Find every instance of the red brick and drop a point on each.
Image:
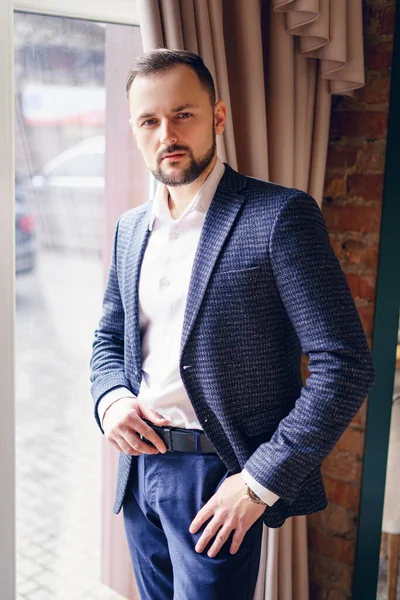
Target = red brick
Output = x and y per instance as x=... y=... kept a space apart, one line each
x=342 y=466
x=352 y=440
x=336 y=244
x=341 y=157
x=335 y=520
x=376 y=89
x=378 y=55
x=352 y=218
x=372 y=257
x=328 y=573
x=366 y=124
x=356 y=421
x=367 y=318
x=305 y=373
x=379 y=20
x=362 y=286
x=335 y=187
x=357 y=252
x=371 y=157
x=331 y=546
x=365 y=186
x=342 y=493
x=360 y=417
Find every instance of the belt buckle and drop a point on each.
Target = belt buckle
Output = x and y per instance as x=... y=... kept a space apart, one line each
x=168 y=440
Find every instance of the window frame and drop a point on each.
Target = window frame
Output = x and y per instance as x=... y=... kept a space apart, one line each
x=386 y=320
x=123 y=12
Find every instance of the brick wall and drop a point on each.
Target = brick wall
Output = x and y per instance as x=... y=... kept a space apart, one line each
x=352 y=209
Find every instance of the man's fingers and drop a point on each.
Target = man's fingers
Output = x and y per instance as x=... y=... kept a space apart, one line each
x=209 y=532
x=114 y=443
x=151 y=415
x=129 y=440
x=220 y=540
x=237 y=540
x=122 y=444
x=123 y=424
x=136 y=444
x=143 y=428
x=202 y=516
x=130 y=444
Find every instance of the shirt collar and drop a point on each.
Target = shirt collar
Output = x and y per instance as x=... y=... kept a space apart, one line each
x=200 y=202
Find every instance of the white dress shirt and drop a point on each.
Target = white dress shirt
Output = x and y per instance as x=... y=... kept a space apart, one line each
x=163 y=287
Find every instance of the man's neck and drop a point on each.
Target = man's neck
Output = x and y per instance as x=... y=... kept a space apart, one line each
x=180 y=196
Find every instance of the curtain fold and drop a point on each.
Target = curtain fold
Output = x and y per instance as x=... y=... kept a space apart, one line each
x=275 y=63
x=331 y=32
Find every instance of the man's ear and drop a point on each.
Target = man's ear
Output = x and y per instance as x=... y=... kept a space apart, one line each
x=219 y=116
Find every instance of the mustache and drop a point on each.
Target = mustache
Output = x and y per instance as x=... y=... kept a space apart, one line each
x=172 y=150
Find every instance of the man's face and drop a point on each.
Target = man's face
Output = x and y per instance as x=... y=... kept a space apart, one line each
x=174 y=124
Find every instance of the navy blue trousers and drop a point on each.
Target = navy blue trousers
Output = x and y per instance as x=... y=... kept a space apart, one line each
x=165 y=492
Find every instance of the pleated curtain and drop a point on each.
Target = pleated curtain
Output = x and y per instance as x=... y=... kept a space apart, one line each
x=276 y=64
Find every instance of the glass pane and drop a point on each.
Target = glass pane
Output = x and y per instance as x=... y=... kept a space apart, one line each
x=81 y=165
x=389 y=581
x=76 y=171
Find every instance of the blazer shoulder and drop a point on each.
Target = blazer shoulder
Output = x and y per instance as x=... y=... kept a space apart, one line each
x=265 y=188
x=273 y=197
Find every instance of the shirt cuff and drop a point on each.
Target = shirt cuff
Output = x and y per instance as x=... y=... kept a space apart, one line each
x=116 y=394
x=269 y=497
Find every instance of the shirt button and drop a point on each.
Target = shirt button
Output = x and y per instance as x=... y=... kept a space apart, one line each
x=175 y=235
x=164 y=282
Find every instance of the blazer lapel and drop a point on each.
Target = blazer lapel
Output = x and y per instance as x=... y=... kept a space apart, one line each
x=136 y=248
x=219 y=219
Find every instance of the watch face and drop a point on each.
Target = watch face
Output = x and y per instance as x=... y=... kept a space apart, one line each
x=254 y=497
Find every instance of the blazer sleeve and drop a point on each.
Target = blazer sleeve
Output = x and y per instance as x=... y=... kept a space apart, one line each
x=318 y=302
x=107 y=361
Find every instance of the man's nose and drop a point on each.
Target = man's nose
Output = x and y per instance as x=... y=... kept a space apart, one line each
x=168 y=134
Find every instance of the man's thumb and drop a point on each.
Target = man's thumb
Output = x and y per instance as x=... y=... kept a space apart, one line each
x=153 y=416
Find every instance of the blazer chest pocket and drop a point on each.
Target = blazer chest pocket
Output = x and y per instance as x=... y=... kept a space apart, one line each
x=238 y=273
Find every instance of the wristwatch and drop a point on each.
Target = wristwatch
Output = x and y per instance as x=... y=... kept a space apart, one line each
x=253 y=496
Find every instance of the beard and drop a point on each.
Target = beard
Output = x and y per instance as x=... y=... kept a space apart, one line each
x=195 y=168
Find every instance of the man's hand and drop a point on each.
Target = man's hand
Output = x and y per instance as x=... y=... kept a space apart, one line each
x=123 y=421
x=231 y=509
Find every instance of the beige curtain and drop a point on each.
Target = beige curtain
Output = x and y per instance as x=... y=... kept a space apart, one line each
x=313 y=48
x=275 y=64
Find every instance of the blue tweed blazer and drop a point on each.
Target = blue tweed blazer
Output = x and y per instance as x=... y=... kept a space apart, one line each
x=265 y=286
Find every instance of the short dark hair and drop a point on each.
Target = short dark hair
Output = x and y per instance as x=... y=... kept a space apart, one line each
x=162 y=59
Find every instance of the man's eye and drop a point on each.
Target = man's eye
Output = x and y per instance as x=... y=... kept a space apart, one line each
x=184 y=115
x=149 y=122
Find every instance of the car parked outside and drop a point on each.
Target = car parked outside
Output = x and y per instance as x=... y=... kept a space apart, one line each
x=25 y=246
x=67 y=197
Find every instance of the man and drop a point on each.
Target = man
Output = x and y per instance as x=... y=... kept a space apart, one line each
x=215 y=288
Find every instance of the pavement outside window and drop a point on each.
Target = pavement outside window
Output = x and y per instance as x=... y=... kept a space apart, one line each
x=58 y=442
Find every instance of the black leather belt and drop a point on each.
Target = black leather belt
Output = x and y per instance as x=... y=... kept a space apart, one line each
x=178 y=439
